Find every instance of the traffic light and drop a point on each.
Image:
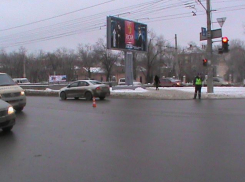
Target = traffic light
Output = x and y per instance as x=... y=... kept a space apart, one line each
x=225 y=45
x=205 y=62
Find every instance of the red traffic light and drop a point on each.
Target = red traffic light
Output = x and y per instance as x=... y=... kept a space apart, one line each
x=204 y=62
x=225 y=39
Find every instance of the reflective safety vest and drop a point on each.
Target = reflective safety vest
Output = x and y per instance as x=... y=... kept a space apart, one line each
x=198 y=81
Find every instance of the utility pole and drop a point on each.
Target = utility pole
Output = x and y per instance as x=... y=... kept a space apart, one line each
x=209 y=49
x=176 y=58
x=24 y=68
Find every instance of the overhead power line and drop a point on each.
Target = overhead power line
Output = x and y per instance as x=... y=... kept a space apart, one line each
x=97 y=21
x=57 y=16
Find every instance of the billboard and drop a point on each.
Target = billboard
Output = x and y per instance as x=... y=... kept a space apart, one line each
x=57 y=78
x=126 y=34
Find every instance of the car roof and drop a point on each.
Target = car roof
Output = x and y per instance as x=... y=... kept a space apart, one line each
x=88 y=80
x=20 y=79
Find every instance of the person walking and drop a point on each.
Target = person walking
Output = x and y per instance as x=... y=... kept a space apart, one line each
x=197 y=82
x=157 y=81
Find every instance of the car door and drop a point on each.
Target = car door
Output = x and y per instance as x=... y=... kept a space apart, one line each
x=82 y=88
x=71 y=90
x=216 y=82
x=168 y=83
x=162 y=82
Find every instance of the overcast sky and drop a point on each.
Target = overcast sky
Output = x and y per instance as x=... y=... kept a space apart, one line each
x=53 y=24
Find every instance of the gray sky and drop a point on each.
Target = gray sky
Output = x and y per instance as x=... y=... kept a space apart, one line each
x=32 y=23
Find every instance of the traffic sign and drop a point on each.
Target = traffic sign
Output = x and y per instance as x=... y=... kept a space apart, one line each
x=204 y=32
x=221 y=21
x=213 y=34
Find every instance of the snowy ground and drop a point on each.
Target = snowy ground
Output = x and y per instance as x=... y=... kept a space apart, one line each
x=232 y=91
x=219 y=92
x=170 y=93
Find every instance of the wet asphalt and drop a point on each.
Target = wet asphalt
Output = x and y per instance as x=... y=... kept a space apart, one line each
x=125 y=140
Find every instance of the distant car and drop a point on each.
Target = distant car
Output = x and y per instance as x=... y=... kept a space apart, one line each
x=7 y=116
x=170 y=82
x=85 y=89
x=218 y=81
x=21 y=80
x=121 y=81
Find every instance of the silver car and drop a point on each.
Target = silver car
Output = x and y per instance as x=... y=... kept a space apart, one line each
x=85 y=89
x=7 y=116
x=11 y=92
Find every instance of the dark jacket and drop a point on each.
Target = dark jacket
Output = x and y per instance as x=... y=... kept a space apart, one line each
x=156 y=79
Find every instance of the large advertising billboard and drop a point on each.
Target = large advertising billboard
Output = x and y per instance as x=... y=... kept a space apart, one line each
x=126 y=34
x=57 y=78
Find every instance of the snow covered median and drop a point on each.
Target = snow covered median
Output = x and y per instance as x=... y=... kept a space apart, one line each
x=182 y=93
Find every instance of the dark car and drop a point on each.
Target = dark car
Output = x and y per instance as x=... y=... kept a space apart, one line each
x=85 y=89
x=7 y=116
x=170 y=82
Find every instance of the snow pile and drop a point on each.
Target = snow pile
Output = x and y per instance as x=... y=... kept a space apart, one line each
x=137 y=90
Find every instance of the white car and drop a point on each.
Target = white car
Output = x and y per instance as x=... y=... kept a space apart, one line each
x=11 y=92
x=21 y=80
x=121 y=81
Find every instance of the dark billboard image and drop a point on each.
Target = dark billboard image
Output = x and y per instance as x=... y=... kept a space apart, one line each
x=126 y=34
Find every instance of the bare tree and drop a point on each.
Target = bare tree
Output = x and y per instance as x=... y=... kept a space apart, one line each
x=106 y=57
x=236 y=60
x=152 y=56
x=86 y=55
x=67 y=60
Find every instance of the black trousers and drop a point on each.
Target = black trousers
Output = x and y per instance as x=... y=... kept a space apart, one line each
x=198 y=88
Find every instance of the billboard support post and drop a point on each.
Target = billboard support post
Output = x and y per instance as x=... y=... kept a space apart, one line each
x=128 y=68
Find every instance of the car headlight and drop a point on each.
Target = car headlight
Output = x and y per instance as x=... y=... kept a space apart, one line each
x=10 y=110
x=22 y=93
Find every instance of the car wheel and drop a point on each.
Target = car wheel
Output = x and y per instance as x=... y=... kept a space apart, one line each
x=7 y=129
x=88 y=96
x=63 y=96
x=76 y=98
x=19 y=109
x=102 y=98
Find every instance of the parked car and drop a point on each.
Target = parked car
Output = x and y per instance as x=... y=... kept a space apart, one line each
x=121 y=81
x=11 y=92
x=85 y=89
x=218 y=81
x=21 y=80
x=7 y=116
x=170 y=82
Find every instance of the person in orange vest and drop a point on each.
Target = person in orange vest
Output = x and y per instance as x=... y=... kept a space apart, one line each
x=197 y=82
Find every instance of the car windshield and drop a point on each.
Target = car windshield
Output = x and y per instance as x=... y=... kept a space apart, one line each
x=6 y=80
x=221 y=79
x=24 y=81
x=95 y=82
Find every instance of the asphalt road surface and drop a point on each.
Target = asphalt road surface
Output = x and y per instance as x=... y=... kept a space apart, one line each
x=125 y=140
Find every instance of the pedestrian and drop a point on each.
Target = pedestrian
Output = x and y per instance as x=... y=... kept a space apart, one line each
x=157 y=81
x=197 y=82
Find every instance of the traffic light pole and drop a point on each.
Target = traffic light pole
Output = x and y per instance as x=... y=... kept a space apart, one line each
x=209 y=49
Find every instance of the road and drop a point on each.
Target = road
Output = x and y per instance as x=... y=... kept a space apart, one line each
x=125 y=140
